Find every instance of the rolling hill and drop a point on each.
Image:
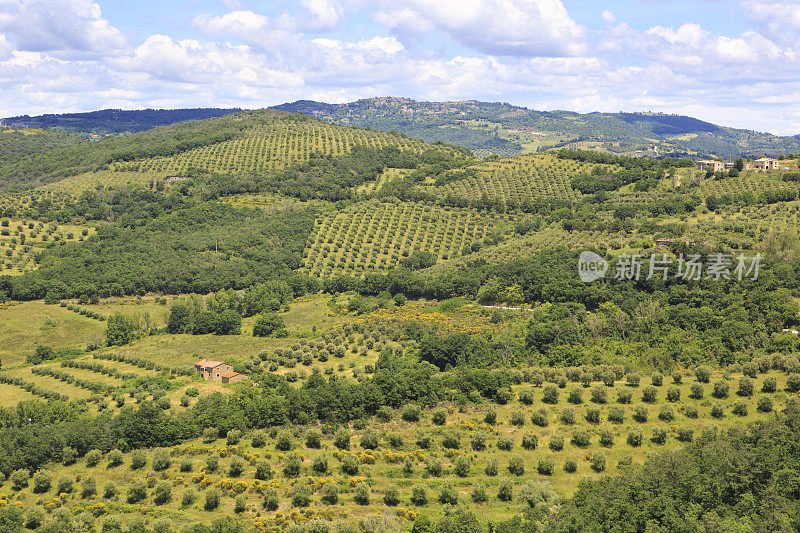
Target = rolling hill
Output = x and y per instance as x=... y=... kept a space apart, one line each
x=412 y=341
x=484 y=127
x=505 y=129
x=115 y=121
x=253 y=141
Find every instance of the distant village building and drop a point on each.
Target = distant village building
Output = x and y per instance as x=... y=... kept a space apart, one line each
x=217 y=371
x=714 y=166
x=766 y=163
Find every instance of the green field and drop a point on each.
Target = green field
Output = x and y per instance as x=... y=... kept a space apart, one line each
x=29 y=324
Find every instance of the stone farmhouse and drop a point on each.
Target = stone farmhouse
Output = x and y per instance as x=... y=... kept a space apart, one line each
x=714 y=166
x=766 y=163
x=217 y=371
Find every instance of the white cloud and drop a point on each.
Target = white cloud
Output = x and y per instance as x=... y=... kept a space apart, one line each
x=5 y=48
x=499 y=27
x=325 y=13
x=779 y=19
x=530 y=53
x=692 y=50
x=689 y=34
x=243 y=24
x=190 y=61
x=255 y=28
x=70 y=28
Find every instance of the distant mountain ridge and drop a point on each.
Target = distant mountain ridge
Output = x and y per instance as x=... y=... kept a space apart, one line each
x=484 y=127
x=506 y=129
x=116 y=121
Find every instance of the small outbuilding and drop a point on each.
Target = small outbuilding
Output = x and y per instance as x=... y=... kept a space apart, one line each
x=233 y=377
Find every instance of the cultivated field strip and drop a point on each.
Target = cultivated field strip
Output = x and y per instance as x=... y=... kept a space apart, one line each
x=22 y=239
x=755 y=182
x=272 y=147
x=518 y=179
x=529 y=245
x=375 y=236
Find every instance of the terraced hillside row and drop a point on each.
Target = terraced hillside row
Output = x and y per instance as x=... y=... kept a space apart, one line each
x=375 y=236
x=750 y=181
x=492 y=458
x=273 y=146
x=103 y=382
x=514 y=181
x=21 y=240
x=528 y=245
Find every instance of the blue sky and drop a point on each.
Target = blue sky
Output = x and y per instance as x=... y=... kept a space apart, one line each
x=733 y=62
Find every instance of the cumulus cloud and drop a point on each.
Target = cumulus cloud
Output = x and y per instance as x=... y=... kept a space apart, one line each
x=195 y=62
x=255 y=28
x=324 y=13
x=779 y=19
x=692 y=50
x=499 y=27
x=62 y=55
x=71 y=28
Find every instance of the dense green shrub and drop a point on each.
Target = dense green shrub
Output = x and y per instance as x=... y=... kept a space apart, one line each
x=746 y=387
x=138 y=460
x=721 y=389
x=703 y=374
x=212 y=499
x=673 y=394
x=461 y=466
x=361 y=494
x=624 y=396
x=649 y=394
x=162 y=493
x=137 y=491
x=530 y=441
x=505 y=491
x=539 y=417
x=516 y=465
x=764 y=404
x=550 y=394
x=581 y=438
x=606 y=437
x=793 y=382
